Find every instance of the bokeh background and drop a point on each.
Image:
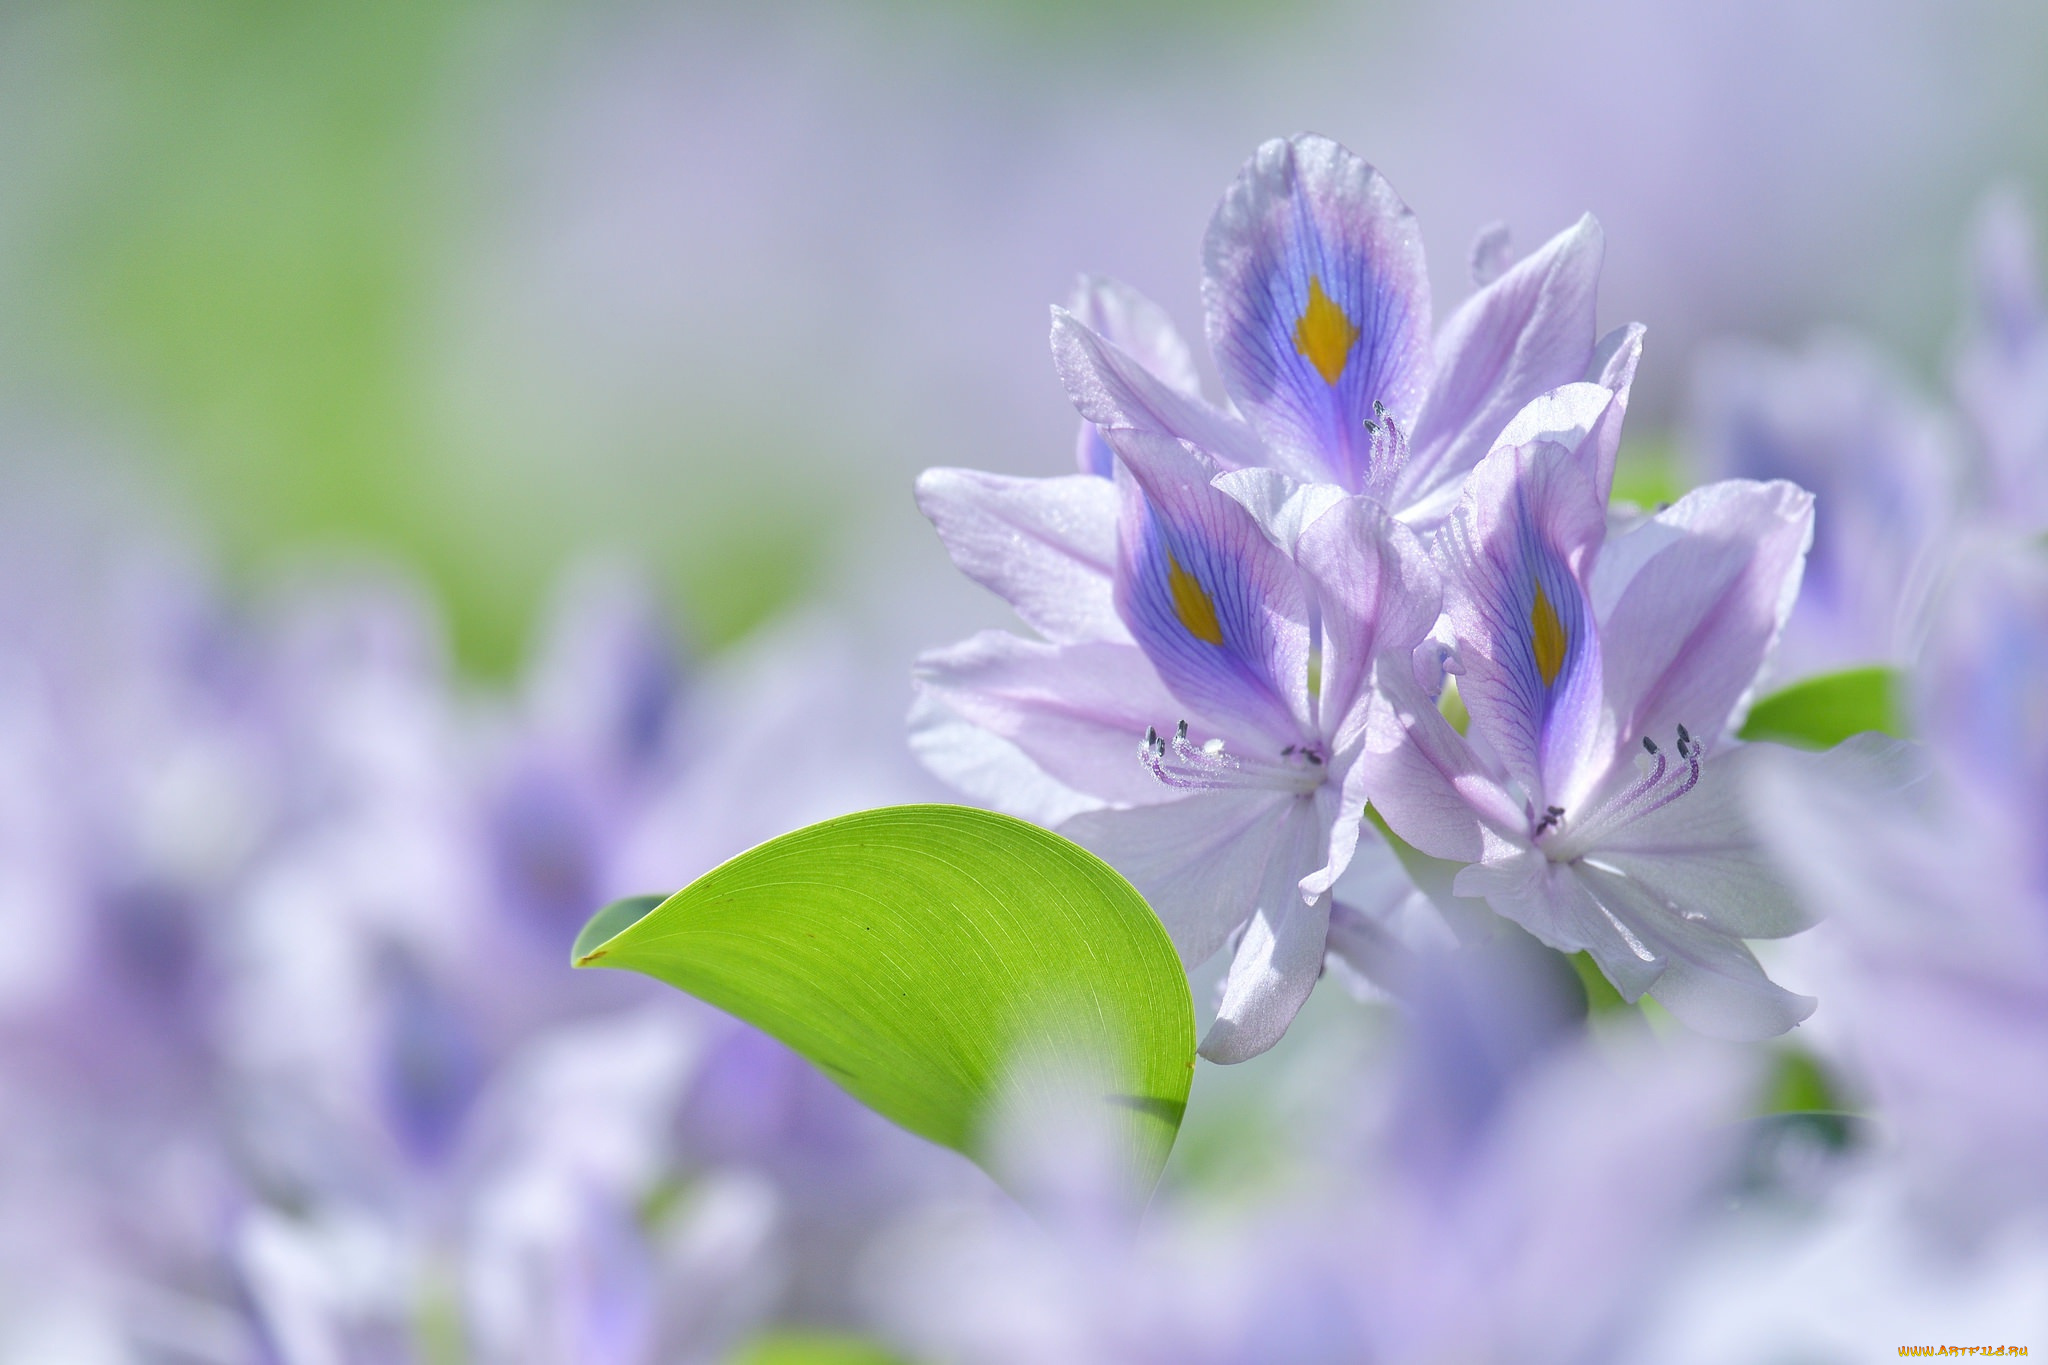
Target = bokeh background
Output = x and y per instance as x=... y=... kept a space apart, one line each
x=363 y=362
x=479 y=288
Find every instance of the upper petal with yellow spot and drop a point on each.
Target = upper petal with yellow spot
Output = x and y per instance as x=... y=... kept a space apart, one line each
x=1192 y=603
x=1323 y=334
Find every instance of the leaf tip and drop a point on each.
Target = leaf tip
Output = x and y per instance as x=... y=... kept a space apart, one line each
x=607 y=924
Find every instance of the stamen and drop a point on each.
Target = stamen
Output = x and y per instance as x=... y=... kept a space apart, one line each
x=1386 y=451
x=1649 y=793
x=1183 y=764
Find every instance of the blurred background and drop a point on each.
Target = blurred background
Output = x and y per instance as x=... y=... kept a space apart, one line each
x=455 y=467
x=478 y=288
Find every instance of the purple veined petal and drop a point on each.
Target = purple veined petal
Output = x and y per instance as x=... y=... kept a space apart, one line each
x=1702 y=855
x=1514 y=555
x=1281 y=956
x=1111 y=388
x=1422 y=776
x=1078 y=711
x=1122 y=315
x=1375 y=589
x=1693 y=619
x=1708 y=979
x=1317 y=298
x=1216 y=606
x=1045 y=546
x=1199 y=861
x=1527 y=332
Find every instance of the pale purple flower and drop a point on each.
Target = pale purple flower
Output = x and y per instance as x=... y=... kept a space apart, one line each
x=1176 y=688
x=1318 y=314
x=1220 y=604
x=1597 y=801
x=1937 y=883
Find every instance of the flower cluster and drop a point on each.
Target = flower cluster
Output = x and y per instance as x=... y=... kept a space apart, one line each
x=1251 y=615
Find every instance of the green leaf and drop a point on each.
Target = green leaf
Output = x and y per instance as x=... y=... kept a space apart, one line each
x=1821 y=712
x=941 y=964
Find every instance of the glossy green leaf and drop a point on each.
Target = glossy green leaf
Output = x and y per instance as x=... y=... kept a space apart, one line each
x=1819 y=713
x=941 y=964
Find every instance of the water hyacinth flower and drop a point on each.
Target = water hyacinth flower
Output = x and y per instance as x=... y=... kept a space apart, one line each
x=1936 y=885
x=1318 y=314
x=1598 y=801
x=1224 y=757
x=1228 y=633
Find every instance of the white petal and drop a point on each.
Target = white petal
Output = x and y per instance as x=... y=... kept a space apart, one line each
x=1282 y=506
x=1045 y=546
x=1709 y=980
x=1281 y=956
x=1202 y=861
x=1077 y=711
x=1701 y=856
x=987 y=768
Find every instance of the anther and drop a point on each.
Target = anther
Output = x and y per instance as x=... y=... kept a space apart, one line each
x=1181 y=731
x=1650 y=744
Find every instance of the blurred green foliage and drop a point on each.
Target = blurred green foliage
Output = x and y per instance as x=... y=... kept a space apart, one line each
x=1821 y=712
x=1648 y=472
x=232 y=219
x=797 y=1346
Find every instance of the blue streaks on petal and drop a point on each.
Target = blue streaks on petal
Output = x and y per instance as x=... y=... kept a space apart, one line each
x=1318 y=302
x=1196 y=605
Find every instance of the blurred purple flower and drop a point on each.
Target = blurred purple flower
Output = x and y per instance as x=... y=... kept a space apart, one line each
x=2001 y=374
x=1838 y=419
x=1476 y=1217
x=1901 y=483
x=1938 y=883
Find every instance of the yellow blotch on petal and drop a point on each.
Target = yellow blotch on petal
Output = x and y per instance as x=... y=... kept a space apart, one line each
x=1324 y=334
x=1191 y=603
x=1546 y=637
